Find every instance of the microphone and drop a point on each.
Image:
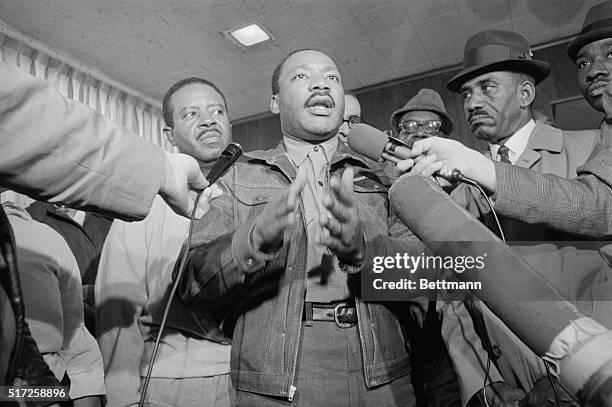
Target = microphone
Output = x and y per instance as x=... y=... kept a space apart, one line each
x=225 y=161
x=227 y=158
x=512 y=288
x=374 y=144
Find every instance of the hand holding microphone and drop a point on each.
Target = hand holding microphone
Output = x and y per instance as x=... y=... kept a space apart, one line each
x=421 y=157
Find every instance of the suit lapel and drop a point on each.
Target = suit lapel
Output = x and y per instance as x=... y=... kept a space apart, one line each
x=542 y=137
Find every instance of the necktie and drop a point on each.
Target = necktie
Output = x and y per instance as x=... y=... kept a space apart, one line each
x=504 y=154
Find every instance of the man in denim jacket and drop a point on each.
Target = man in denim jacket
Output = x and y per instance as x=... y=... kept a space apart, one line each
x=288 y=240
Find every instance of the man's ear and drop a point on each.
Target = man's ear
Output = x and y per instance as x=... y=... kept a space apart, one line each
x=527 y=93
x=274 y=104
x=169 y=135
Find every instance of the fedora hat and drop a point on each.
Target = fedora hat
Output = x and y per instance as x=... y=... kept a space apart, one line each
x=597 y=25
x=497 y=50
x=425 y=100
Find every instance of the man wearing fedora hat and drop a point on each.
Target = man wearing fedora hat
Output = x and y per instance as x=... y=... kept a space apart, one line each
x=590 y=52
x=497 y=85
x=424 y=115
x=580 y=206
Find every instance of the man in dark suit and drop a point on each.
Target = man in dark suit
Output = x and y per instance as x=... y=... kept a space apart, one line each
x=582 y=205
x=498 y=85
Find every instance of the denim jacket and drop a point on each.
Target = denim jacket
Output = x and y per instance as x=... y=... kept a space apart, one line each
x=270 y=289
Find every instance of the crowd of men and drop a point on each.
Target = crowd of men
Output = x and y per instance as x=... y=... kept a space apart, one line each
x=269 y=308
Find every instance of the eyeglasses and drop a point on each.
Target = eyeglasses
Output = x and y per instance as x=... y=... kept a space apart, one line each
x=429 y=126
x=352 y=121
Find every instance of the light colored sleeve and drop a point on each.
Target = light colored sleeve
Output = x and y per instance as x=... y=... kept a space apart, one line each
x=80 y=353
x=465 y=349
x=60 y=150
x=120 y=298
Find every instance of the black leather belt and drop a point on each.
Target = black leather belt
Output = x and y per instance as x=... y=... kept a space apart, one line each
x=344 y=314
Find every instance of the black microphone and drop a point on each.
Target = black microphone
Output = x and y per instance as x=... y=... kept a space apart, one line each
x=227 y=158
x=375 y=144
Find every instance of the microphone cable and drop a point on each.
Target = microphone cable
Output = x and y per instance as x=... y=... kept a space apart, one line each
x=503 y=238
x=455 y=175
x=145 y=386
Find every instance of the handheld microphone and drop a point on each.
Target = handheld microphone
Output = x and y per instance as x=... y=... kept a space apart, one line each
x=227 y=158
x=225 y=161
x=375 y=144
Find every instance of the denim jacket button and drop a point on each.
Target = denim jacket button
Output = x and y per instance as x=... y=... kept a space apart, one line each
x=249 y=262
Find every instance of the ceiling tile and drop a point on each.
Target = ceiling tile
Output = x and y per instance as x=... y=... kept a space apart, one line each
x=263 y=58
x=341 y=32
x=547 y=11
x=320 y=12
x=362 y=6
x=402 y=46
x=567 y=30
x=485 y=12
x=283 y=20
x=383 y=19
x=574 y=11
x=472 y=29
x=423 y=10
x=446 y=62
x=148 y=44
x=255 y=9
x=357 y=51
x=349 y=82
x=293 y=40
x=527 y=25
x=446 y=28
x=410 y=70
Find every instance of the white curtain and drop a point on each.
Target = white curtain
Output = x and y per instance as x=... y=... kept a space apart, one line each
x=124 y=108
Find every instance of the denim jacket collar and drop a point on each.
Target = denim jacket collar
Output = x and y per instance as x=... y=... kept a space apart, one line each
x=277 y=157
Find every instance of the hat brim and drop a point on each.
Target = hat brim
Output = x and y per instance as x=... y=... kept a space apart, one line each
x=538 y=69
x=447 y=122
x=583 y=39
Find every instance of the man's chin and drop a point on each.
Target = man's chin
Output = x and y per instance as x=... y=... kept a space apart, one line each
x=597 y=102
x=483 y=133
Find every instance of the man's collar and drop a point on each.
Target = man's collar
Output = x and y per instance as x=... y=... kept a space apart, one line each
x=277 y=154
x=518 y=141
x=11 y=208
x=297 y=150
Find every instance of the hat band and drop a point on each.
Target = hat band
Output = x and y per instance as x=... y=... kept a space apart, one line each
x=606 y=22
x=492 y=53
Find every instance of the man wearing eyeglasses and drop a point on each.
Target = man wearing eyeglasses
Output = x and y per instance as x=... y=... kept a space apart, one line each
x=352 y=115
x=422 y=116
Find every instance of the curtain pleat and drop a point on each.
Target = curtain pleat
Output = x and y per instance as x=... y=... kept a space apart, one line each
x=127 y=110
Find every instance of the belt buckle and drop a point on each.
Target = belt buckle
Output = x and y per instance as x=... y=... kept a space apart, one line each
x=343 y=325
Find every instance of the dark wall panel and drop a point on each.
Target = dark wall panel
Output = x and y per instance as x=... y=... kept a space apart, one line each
x=377 y=104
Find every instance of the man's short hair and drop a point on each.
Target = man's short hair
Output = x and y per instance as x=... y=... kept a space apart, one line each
x=279 y=67
x=166 y=104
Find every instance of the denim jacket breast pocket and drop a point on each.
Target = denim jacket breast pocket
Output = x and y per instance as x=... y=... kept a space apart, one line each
x=250 y=199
